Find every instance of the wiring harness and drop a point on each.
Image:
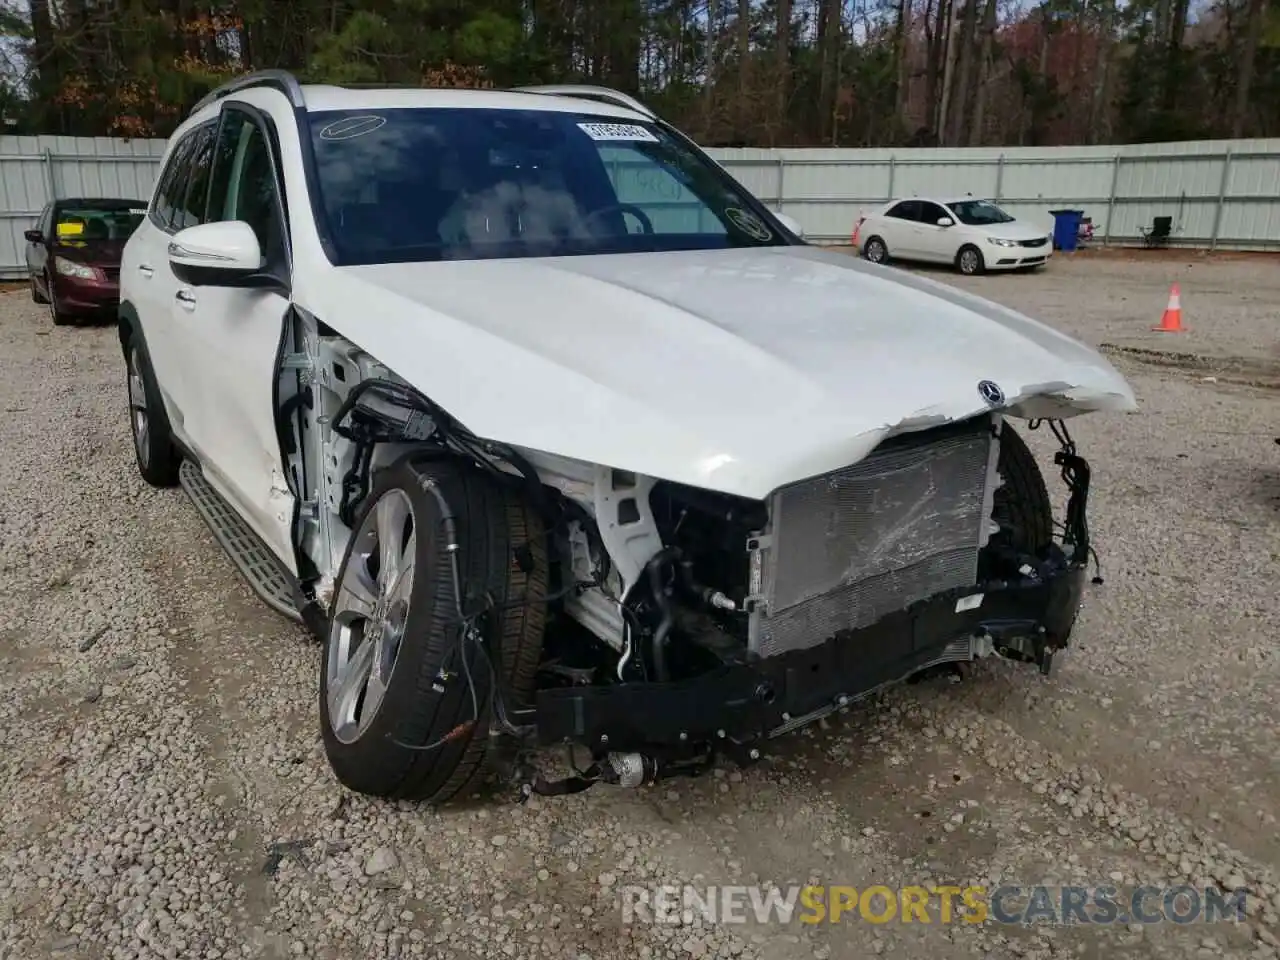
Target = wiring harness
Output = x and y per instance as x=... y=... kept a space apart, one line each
x=379 y=411
x=1076 y=476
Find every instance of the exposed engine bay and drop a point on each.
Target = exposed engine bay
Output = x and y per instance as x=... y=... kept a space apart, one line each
x=686 y=622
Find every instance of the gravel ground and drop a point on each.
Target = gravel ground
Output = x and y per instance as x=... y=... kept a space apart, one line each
x=163 y=792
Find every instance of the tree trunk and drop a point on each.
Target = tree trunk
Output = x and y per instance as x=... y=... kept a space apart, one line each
x=948 y=75
x=964 y=72
x=984 y=67
x=1100 y=106
x=902 y=59
x=934 y=32
x=1173 y=69
x=782 y=57
x=712 y=71
x=1248 y=55
x=624 y=37
x=744 y=111
x=835 y=41
x=826 y=70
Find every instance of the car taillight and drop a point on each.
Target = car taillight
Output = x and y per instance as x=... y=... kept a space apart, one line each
x=853 y=240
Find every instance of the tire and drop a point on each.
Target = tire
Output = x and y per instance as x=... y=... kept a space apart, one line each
x=375 y=747
x=1021 y=505
x=153 y=448
x=875 y=250
x=36 y=295
x=969 y=260
x=59 y=318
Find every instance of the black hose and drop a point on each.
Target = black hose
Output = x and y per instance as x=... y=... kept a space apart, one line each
x=658 y=653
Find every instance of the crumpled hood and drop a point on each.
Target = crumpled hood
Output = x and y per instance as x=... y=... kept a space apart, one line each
x=733 y=370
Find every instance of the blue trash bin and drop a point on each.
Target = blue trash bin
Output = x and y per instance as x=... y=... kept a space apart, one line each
x=1066 y=229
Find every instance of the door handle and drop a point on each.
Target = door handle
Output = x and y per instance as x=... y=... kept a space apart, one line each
x=145 y=269
x=186 y=298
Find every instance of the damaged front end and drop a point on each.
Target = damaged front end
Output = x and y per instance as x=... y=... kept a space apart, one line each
x=756 y=618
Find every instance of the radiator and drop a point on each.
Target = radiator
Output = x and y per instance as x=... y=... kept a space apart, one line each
x=847 y=548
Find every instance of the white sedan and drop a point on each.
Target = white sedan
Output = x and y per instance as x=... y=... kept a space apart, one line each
x=972 y=235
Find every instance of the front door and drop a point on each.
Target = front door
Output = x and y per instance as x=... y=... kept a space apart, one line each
x=234 y=336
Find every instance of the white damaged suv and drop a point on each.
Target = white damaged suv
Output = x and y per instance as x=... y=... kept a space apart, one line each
x=553 y=434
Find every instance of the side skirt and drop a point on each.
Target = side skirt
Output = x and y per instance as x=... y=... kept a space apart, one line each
x=264 y=573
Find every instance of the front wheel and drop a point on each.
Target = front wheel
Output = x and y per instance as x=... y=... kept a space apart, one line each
x=59 y=318
x=407 y=684
x=969 y=261
x=1021 y=505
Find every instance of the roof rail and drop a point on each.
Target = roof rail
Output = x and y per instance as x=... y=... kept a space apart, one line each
x=587 y=92
x=281 y=80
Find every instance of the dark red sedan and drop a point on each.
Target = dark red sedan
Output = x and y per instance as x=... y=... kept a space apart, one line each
x=73 y=255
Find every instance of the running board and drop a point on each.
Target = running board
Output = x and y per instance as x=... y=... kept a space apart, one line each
x=265 y=574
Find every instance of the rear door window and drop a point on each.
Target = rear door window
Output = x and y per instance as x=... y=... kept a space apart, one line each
x=906 y=210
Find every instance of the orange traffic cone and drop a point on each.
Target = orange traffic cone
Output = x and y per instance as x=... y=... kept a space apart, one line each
x=1171 y=322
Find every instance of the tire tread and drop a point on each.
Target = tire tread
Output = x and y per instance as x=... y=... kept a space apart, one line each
x=1023 y=500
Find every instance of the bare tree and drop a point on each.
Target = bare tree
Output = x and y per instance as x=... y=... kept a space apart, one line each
x=1248 y=56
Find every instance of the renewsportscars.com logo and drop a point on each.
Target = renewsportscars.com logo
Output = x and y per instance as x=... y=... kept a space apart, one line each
x=729 y=904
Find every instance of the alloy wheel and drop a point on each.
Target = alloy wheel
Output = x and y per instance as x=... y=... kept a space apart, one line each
x=370 y=612
x=139 y=417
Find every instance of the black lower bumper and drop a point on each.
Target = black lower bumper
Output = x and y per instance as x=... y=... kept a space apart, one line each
x=748 y=701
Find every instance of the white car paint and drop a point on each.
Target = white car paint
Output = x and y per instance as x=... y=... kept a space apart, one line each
x=735 y=370
x=941 y=234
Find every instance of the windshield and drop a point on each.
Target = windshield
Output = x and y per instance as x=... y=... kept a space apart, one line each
x=447 y=184
x=86 y=223
x=979 y=213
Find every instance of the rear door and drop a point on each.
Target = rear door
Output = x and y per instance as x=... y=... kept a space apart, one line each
x=899 y=229
x=150 y=284
x=231 y=337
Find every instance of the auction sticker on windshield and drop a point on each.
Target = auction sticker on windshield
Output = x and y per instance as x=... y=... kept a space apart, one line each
x=352 y=127
x=749 y=224
x=617 y=131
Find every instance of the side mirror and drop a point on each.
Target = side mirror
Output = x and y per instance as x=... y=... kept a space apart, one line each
x=33 y=236
x=945 y=222
x=224 y=254
x=791 y=223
